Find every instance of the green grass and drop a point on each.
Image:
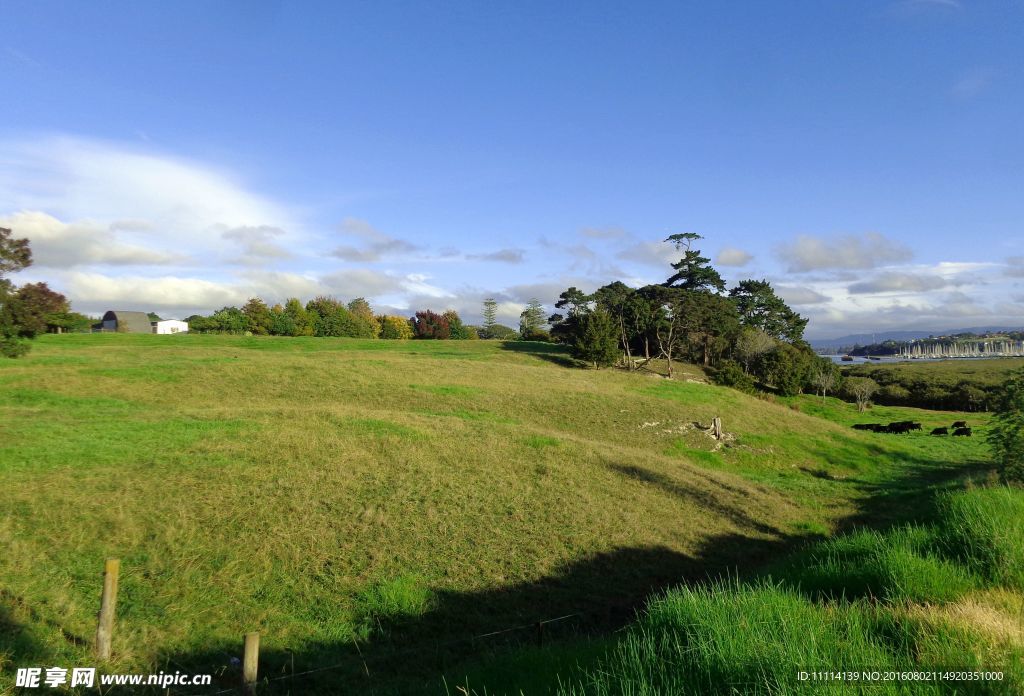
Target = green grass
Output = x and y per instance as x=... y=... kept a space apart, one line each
x=312 y=488
x=913 y=598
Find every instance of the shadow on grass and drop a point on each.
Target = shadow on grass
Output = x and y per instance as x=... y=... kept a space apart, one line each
x=549 y=352
x=600 y=594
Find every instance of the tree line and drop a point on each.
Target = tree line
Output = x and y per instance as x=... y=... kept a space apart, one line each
x=746 y=336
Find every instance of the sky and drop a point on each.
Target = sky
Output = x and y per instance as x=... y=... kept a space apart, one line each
x=866 y=157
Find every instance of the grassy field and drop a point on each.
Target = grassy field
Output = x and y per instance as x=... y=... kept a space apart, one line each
x=967 y=385
x=381 y=506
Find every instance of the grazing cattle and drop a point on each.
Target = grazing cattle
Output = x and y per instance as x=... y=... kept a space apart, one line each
x=940 y=431
x=960 y=424
x=915 y=426
x=899 y=428
x=962 y=432
x=865 y=426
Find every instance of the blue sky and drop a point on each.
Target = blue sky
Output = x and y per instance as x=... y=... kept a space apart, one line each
x=866 y=157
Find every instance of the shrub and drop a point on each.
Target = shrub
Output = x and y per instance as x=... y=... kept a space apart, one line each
x=731 y=374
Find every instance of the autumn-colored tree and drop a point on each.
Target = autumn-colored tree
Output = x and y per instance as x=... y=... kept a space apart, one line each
x=428 y=324
x=37 y=306
x=392 y=327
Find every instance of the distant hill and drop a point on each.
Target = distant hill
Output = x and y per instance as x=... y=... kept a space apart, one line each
x=864 y=339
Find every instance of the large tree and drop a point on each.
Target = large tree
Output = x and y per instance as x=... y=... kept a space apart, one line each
x=490 y=318
x=15 y=255
x=761 y=308
x=257 y=315
x=39 y=308
x=531 y=321
x=693 y=271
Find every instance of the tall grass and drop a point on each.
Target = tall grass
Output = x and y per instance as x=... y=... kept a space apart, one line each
x=866 y=601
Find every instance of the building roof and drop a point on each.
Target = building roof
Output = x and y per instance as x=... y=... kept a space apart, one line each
x=129 y=322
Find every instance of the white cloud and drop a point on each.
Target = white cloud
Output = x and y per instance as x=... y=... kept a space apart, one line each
x=651 y=253
x=58 y=244
x=898 y=282
x=799 y=295
x=730 y=256
x=258 y=243
x=850 y=252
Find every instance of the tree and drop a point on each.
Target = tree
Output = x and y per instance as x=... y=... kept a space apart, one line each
x=710 y=324
x=327 y=316
x=490 y=318
x=394 y=328
x=37 y=307
x=616 y=299
x=669 y=328
x=297 y=319
x=760 y=308
x=430 y=325
x=257 y=316
x=365 y=324
x=861 y=389
x=785 y=367
x=531 y=322
x=751 y=344
x=15 y=255
x=693 y=271
x=598 y=339
x=824 y=376
x=230 y=320
x=1006 y=436
x=456 y=329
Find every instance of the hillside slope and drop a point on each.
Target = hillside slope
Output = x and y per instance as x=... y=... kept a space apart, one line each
x=350 y=499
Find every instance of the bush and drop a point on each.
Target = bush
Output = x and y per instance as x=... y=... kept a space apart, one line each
x=730 y=374
x=499 y=332
x=535 y=335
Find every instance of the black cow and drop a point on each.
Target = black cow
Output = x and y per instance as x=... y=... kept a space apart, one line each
x=940 y=431
x=960 y=424
x=865 y=426
x=899 y=428
x=962 y=432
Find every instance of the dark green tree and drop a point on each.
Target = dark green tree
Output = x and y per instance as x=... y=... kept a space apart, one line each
x=710 y=323
x=760 y=308
x=693 y=271
x=15 y=255
x=598 y=339
x=490 y=318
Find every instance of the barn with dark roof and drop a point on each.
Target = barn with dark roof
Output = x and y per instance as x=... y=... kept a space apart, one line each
x=127 y=322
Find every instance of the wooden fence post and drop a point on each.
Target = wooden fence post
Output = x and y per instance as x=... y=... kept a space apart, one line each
x=716 y=428
x=250 y=661
x=108 y=603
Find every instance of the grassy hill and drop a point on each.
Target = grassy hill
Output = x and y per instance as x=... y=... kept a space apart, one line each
x=380 y=506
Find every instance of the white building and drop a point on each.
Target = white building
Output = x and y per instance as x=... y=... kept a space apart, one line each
x=170 y=326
